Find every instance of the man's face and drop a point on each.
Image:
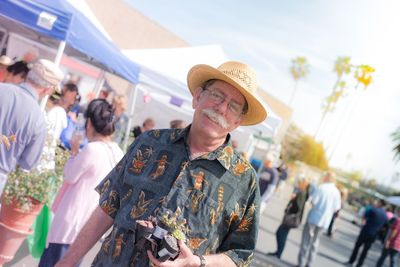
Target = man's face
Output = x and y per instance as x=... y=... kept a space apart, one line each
x=267 y=164
x=217 y=109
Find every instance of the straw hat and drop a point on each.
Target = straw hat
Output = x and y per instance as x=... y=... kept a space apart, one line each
x=5 y=60
x=240 y=76
x=49 y=72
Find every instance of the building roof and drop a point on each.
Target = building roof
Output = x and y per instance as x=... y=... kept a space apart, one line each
x=129 y=29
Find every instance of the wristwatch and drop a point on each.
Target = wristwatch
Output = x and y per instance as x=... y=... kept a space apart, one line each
x=202 y=261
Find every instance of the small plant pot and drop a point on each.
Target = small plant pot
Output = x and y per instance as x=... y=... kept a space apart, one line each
x=168 y=249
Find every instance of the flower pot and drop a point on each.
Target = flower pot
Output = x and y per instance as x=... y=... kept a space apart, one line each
x=15 y=226
x=18 y=218
x=10 y=241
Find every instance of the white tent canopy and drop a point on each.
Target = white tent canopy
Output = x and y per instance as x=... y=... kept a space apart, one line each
x=163 y=75
x=394 y=200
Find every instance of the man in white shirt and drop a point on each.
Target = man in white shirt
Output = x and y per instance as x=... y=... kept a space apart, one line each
x=325 y=200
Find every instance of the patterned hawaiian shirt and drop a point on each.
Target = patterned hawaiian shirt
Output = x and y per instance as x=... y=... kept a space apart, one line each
x=217 y=194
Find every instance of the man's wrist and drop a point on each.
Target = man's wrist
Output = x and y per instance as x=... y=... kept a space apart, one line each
x=202 y=261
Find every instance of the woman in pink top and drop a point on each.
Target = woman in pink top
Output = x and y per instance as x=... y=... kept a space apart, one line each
x=77 y=199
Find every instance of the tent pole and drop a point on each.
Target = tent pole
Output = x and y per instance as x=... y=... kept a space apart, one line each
x=60 y=52
x=99 y=84
x=132 y=101
x=57 y=61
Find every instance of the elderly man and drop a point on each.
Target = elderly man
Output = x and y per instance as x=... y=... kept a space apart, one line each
x=22 y=124
x=191 y=177
x=325 y=200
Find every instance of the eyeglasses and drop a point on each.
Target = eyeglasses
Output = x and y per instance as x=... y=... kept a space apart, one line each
x=218 y=98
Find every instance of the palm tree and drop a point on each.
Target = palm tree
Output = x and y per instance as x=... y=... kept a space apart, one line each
x=299 y=69
x=342 y=66
x=363 y=75
x=396 y=139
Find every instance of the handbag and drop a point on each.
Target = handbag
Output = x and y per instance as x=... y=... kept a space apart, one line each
x=291 y=220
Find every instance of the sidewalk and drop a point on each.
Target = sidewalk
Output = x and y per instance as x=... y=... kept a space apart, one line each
x=331 y=252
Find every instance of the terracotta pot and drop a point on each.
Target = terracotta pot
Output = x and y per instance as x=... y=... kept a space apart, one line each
x=15 y=226
x=10 y=241
x=18 y=218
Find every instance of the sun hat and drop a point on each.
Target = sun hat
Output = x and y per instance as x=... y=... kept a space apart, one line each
x=5 y=60
x=49 y=72
x=237 y=74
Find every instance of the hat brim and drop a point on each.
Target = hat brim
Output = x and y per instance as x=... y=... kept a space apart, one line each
x=199 y=74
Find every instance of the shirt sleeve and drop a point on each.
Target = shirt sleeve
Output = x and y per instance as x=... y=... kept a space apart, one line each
x=241 y=241
x=30 y=156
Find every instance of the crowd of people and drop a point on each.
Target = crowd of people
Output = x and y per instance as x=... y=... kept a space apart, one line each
x=327 y=199
x=190 y=175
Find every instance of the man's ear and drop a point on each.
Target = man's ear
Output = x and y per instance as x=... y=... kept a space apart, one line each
x=196 y=96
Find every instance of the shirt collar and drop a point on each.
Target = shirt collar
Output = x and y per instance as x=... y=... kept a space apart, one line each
x=224 y=154
x=178 y=134
x=30 y=90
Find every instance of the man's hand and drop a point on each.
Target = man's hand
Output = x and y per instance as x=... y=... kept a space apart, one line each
x=185 y=259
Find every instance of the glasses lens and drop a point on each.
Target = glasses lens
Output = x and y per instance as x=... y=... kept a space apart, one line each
x=218 y=98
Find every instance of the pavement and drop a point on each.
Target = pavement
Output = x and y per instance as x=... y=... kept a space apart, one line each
x=333 y=251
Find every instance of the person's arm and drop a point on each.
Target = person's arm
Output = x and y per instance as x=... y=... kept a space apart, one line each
x=102 y=218
x=94 y=228
x=393 y=234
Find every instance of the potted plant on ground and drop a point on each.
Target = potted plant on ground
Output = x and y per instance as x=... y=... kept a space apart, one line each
x=23 y=198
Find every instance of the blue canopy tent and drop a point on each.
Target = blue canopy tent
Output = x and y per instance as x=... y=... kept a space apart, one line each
x=58 y=19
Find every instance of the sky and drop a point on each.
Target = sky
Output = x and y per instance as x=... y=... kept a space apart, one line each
x=268 y=34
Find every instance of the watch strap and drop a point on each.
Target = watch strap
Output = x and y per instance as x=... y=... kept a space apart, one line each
x=202 y=261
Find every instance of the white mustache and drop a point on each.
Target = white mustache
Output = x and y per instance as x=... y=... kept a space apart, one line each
x=215 y=117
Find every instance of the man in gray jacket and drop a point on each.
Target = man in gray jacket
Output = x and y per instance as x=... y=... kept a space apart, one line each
x=23 y=128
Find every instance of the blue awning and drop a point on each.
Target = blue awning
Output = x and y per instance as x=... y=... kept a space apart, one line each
x=60 y=20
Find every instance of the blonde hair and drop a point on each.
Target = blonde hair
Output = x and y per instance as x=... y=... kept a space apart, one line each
x=303 y=180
